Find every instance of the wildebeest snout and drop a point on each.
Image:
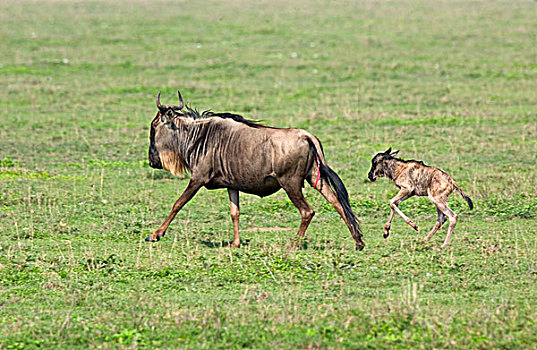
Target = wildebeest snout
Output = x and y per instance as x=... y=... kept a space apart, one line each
x=154 y=159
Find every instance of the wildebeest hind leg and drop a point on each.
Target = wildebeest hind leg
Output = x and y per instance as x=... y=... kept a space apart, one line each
x=296 y=196
x=189 y=192
x=234 y=212
x=452 y=217
x=440 y=221
x=324 y=188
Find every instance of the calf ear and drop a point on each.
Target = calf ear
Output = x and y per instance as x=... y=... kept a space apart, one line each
x=388 y=151
x=393 y=154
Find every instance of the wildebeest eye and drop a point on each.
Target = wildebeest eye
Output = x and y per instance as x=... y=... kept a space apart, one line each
x=169 y=113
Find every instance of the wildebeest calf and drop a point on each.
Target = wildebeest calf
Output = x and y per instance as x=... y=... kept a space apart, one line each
x=414 y=178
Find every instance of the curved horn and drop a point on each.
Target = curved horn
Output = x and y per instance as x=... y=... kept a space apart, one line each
x=159 y=106
x=181 y=103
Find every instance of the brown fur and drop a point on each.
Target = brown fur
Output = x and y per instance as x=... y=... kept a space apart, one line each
x=414 y=178
x=224 y=150
x=173 y=163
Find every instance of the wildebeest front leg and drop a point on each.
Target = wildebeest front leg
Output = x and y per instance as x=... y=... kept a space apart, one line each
x=388 y=224
x=234 y=212
x=403 y=195
x=189 y=192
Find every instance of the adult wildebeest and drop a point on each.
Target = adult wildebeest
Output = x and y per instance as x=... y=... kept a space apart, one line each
x=414 y=178
x=225 y=150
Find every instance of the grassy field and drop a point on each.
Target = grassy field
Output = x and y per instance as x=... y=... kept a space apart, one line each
x=452 y=83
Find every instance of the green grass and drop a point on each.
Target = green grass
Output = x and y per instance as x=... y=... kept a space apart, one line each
x=451 y=83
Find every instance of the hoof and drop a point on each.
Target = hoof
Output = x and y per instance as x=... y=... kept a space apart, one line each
x=385 y=235
x=149 y=239
x=412 y=224
x=360 y=247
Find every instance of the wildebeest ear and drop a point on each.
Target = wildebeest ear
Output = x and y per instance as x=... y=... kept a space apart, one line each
x=388 y=151
x=393 y=154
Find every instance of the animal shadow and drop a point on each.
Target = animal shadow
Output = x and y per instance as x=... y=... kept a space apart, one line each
x=304 y=244
x=222 y=244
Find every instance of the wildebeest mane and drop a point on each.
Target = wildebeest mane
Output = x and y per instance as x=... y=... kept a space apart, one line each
x=193 y=113
x=411 y=161
x=405 y=160
x=196 y=138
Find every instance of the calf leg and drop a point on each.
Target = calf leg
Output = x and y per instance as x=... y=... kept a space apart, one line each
x=440 y=221
x=187 y=195
x=442 y=207
x=388 y=224
x=234 y=211
x=403 y=195
x=453 y=218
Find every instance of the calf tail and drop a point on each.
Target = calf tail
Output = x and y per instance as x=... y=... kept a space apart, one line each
x=330 y=176
x=464 y=196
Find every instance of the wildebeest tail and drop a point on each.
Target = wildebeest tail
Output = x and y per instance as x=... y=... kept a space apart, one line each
x=464 y=196
x=330 y=176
